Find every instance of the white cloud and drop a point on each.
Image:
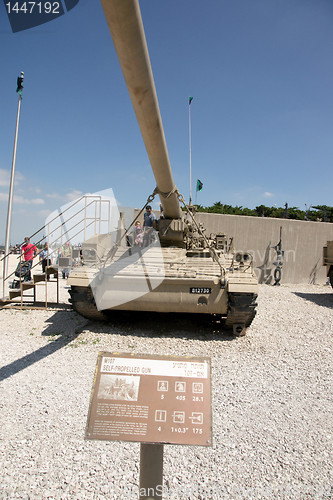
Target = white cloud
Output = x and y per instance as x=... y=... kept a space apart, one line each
x=5 y=177
x=267 y=194
x=19 y=177
x=55 y=196
x=20 y=200
x=44 y=213
x=156 y=205
x=26 y=201
x=36 y=201
x=73 y=195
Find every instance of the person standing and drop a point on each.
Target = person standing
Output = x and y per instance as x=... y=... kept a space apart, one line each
x=148 y=221
x=29 y=251
x=138 y=234
x=44 y=259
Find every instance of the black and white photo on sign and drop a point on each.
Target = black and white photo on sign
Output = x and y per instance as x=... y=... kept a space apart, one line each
x=119 y=387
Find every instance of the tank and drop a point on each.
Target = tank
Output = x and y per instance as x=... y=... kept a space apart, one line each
x=328 y=260
x=181 y=269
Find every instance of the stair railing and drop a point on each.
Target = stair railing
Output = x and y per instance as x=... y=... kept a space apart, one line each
x=87 y=221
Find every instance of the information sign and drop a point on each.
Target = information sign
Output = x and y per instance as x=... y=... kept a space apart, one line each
x=151 y=399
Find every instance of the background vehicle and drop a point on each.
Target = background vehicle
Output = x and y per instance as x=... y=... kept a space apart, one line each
x=328 y=260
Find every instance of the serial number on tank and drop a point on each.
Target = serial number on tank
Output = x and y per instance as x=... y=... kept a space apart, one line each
x=200 y=290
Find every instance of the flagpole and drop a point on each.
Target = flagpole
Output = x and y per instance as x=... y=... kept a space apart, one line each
x=189 y=131
x=12 y=177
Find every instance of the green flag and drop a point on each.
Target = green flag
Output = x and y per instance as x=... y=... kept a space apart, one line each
x=199 y=185
x=190 y=99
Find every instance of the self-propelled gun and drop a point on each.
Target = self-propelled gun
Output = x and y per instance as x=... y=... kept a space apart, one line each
x=181 y=269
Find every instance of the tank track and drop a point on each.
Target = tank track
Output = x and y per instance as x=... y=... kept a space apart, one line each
x=241 y=311
x=241 y=308
x=83 y=302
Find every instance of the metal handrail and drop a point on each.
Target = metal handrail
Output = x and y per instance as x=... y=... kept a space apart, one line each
x=93 y=220
x=32 y=267
x=59 y=215
x=43 y=227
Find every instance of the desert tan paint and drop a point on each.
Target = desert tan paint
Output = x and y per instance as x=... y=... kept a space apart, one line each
x=125 y=24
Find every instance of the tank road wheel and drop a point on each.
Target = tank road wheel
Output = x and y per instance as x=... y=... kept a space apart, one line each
x=83 y=302
x=241 y=311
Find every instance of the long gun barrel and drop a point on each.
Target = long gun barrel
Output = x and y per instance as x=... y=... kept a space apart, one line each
x=125 y=24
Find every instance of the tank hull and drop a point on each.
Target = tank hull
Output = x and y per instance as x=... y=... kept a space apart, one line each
x=167 y=280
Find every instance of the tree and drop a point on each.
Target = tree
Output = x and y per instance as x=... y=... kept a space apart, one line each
x=322 y=213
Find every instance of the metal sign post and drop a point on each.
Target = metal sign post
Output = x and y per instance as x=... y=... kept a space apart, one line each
x=153 y=400
x=151 y=471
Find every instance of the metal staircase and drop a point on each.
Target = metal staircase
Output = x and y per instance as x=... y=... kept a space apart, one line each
x=82 y=218
x=37 y=279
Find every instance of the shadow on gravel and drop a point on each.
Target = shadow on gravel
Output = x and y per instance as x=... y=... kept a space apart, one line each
x=71 y=331
x=144 y=324
x=321 y=299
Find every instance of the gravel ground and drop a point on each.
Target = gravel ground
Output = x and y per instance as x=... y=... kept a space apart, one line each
x=272 y=404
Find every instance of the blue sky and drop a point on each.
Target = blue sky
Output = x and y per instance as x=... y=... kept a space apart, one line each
x=260 y=72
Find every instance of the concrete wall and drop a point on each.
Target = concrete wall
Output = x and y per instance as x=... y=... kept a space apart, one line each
x=302 y=243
